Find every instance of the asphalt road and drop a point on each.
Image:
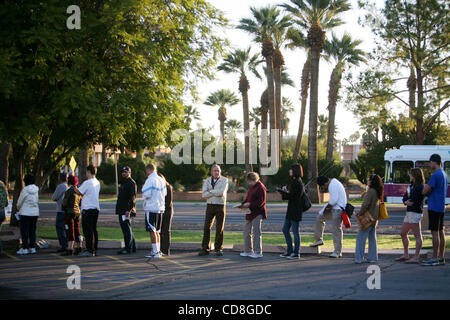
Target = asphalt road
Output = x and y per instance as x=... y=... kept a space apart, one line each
x=195 y=213
x=184 y=275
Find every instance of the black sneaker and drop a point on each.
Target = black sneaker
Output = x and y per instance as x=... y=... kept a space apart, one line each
x=294 y=256
x=219 y=253
x=285 y=255
x=123 y=251
x=203 y=253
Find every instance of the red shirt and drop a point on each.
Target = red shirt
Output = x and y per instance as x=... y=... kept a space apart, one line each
x=256 y=196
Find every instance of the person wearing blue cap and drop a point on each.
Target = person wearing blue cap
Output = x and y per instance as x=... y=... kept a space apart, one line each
x=436 y=190
x=126 y=209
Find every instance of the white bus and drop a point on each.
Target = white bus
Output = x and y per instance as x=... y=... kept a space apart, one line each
x=399 y=163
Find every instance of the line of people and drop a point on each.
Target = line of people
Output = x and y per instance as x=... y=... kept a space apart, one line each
x=81 y=205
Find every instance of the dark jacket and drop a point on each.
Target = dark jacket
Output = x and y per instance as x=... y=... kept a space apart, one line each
x=416 y=197
x=256 y=196
x=168 y=199
x=126 y=200
x=71 y=201
x=294 y=194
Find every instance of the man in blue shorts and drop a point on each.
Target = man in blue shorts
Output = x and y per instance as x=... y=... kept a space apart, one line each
x=436 y=190
x=154 y=192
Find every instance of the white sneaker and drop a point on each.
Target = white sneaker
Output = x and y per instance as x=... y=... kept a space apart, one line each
x=317 y=243
x=255 y=255
x=245 y=254
x=335 y=255
x=22 y=251
x=153 y=255
x=32 y=250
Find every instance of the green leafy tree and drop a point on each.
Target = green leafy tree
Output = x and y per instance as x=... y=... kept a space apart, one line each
x=222 y=98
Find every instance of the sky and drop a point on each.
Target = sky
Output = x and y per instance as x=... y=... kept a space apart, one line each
x=234 y=10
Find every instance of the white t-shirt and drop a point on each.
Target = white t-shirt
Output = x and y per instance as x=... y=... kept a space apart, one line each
x=90 y=189
x=338 y=197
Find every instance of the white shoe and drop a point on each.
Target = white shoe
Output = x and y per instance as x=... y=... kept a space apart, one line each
x=317 y=243
x=335 y=255
x=245 y=254
x=255 y=255
x=32 y=250
x=22 y=251
x=153 y=255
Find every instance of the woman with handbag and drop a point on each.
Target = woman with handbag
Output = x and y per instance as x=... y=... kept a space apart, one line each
x=413 y=199
x=369 y=212
x=294 y=211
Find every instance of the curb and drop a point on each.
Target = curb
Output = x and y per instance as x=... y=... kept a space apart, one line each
x=195 y=246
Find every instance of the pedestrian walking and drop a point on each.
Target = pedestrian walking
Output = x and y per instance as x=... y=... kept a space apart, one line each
x=4 y=201
x=332 y=211
x=28 y=206
x=214 y=191
x=255 y=201
x=371 y=204
x=166 y=223
x=71 y=207
x=58 y=197
x=90 y=208
x=436 y=189
x=413 y=200
x=293 y=193
x=154 y=192
x=126 y=210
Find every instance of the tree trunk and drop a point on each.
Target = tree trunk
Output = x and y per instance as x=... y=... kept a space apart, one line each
x=104 y=156
x=420 y=136
x=5 y=150
x=243 y=88
x=83 y=162
x=278 y=62
x=264 y=110
x=335 y=83
x=19 y=151
x=412 y=85
x=306 y=80
x=139 y=155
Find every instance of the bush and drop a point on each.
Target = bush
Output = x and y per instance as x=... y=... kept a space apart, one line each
x=105 y=171
x=107 y=189
x=190 y=176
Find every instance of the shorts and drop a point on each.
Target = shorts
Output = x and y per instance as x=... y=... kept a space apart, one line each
x=436 y=220
x=153 y=221
x=412 y=217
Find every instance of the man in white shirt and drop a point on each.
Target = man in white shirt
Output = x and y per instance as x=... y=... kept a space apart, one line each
x=90 y=207
x=154 y=193
x=332 y=211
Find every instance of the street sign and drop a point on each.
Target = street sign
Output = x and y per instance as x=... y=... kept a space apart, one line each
x=73 y=164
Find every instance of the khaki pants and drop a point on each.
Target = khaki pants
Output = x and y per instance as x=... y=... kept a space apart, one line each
x=214 y=212
x=336 y=222
x=253 y=227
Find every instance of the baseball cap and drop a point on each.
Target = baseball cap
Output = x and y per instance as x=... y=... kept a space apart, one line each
x=126 y=168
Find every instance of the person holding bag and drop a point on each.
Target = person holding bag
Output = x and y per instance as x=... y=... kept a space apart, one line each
x=294 y=211
x=370 y=208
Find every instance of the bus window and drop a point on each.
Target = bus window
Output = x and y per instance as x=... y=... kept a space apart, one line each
x=447 y=170
x=400 y=172
x=387 y=172
x=425 y=166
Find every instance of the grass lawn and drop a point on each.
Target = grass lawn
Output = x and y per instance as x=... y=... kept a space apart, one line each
x=109 y=233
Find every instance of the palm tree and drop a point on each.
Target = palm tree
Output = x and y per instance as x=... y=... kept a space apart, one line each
x=286 y=108
x=190 y=113
x=345 y=52
x=234 y=125
x=297 y=40
x=255 y=117
x=311 y=14
x=221 y=98
x=262 y=25
x=241 y=61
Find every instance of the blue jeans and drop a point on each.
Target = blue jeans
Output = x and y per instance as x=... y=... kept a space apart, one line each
x=292 y=225
x=361 y=244
x=2 y=219
x=28 y=231
x=60 y=232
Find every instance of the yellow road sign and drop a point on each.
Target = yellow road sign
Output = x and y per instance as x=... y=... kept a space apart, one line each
x=73 y=164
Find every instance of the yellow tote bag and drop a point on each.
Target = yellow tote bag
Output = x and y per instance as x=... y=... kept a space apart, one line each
x=383 y=211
